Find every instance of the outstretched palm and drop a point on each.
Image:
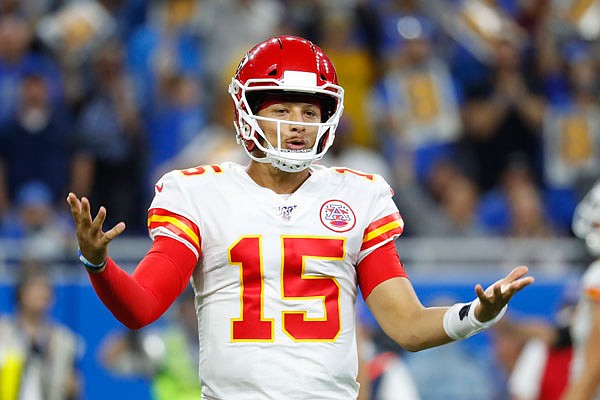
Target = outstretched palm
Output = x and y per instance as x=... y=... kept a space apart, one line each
x=497 y=295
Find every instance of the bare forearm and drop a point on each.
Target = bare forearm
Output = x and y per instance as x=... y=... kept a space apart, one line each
x=401 y=315
x=423 y=331
x=413 y=326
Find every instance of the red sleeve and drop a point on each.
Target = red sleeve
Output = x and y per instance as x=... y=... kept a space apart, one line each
x=139 y=299
x=379 y=266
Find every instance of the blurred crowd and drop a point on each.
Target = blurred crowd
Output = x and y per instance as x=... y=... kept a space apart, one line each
x=483 y=115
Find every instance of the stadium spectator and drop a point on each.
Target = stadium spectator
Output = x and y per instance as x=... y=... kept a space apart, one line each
x=542 y=368
x=571 y=130
x=177 y=117
x=40 y=232
x=17 y=58
x=35 y=143
x=112 y=139
x=343 y=35
x=167 y=45
x=168 y=356
x=38 y=356
x=262 y=334
x=503 y=119
x=450 y=372
x=229 y=27
x=416 y=102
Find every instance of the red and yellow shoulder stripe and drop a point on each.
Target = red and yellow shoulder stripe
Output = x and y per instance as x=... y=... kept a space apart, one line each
x=382 y=229
x=177 y=224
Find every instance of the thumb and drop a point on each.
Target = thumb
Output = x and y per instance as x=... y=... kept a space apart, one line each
x=114 y=232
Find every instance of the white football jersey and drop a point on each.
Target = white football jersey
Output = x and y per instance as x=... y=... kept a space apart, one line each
x=276 y=282
x=581 y=325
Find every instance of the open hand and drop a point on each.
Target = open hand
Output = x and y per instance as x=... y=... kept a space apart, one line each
x=93 y=243
x=497 y=295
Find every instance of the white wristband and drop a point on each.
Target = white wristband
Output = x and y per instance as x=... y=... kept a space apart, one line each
x=460 y=322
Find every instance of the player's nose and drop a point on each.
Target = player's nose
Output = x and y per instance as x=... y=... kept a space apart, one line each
x=295 y=121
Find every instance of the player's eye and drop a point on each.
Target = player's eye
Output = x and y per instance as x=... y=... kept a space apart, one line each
x=312 y=114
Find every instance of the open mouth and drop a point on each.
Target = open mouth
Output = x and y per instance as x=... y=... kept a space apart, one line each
x=296 y=145
x=295 y=150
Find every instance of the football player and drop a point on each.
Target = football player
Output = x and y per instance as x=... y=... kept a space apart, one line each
x=277 y=250
x=584 y=380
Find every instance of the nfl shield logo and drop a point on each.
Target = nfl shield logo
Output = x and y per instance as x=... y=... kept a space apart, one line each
x=337 y=216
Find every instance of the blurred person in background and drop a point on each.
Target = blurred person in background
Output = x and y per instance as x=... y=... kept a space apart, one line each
x=112 y=139
x=168 y=45
x=128 y=15
x=36 y=143
x=383 y=373
x=414 y=109
x=40 y=231
x=571 y=130
x=503 y=118
x=211 y=144
x=229 y=27
x=516 y=207
x=38 y=356
x=17 y=56
x=416 y=103
x=168 y=356
x=456 y=201
x=177 y=117
x=541 y=370
x=450 y=372
x=584 y=380
x=279 y=321
x=344 y=35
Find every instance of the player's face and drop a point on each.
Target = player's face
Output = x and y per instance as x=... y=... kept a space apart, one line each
x=293 y=136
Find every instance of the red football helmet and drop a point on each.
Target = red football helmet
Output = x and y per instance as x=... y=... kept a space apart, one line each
x=285 y=66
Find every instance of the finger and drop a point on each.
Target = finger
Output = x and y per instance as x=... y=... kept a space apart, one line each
x=99 y=220
x=497 y=289
x=86 y=216
x=521 y=283
x=114 y=232
x=517 y=273
x=481 y=293
x=75 y=205
x=515 y=287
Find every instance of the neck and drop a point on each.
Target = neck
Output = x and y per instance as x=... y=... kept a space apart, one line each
x=31 y=322
x=280 y=182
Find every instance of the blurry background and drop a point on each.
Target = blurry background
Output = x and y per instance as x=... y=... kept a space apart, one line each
x=482 y=115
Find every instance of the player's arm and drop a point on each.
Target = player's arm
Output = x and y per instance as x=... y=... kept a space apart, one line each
x=139 y=299
x=586 y=385
x=401 y=315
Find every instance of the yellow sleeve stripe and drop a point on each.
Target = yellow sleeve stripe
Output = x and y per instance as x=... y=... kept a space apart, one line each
x=164 y=220
x=381 y=230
